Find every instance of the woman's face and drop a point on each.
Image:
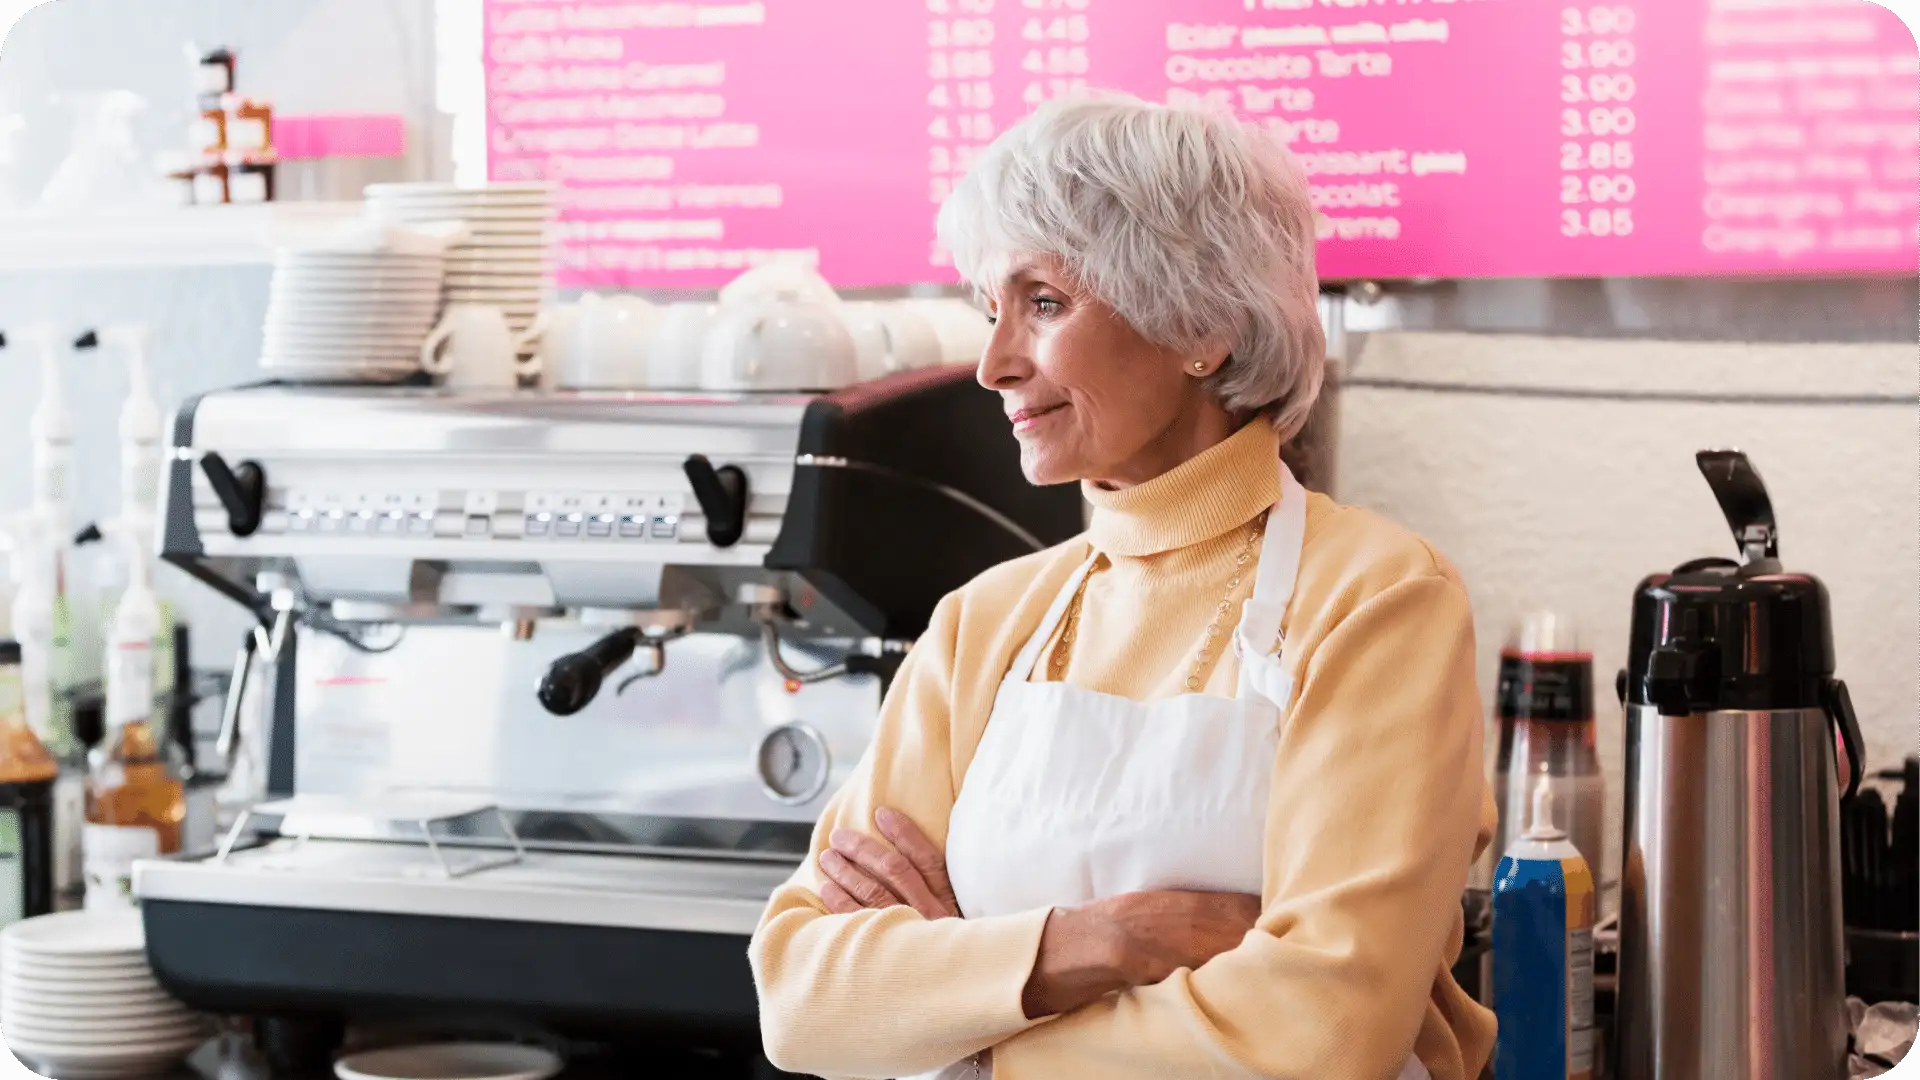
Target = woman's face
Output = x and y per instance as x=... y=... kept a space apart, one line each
x=1089 y=397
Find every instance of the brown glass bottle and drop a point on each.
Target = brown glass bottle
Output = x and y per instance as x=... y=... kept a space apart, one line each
x=27 y=775
x=136 y=808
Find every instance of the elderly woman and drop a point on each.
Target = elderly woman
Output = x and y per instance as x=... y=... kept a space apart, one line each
x=1195 y=794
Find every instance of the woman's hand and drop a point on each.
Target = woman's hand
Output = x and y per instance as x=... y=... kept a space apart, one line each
x=1086 y=952
x=1135 y=939
x=862 y=873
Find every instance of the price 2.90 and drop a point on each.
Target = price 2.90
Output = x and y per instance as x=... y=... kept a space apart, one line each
x=1599 y=188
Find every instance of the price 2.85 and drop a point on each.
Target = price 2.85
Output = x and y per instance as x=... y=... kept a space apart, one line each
x=1596 y=155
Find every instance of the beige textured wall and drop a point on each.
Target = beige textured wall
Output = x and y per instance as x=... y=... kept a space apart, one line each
x=1562 y=503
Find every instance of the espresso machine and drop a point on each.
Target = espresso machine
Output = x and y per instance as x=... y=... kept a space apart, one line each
x=553 y=686
x=1738 y=732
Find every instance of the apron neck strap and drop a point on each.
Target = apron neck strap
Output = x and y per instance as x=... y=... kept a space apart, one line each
x=1279 y=565
x=1023 y=664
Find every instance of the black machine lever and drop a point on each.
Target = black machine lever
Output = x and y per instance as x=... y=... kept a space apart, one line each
x=722 y=494
x=573 y=681
x=242 y=490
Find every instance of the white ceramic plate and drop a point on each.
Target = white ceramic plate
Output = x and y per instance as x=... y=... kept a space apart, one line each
x=44 y=995
x=372 y=376
x=104 y=964
x=327 y=369
x=459 y=202
x=302 y=313
x=388 y=351
x=497 y=296
x=451 y=1061
x=343 y=363
x=133 y=1068
x=520 y=244
x=424 y=211
x=412 y=304
x=396 y=298
x=384 y=368
x=104 y=1033
x=338 y=330
x=73 y=982
x=362 y=320
x=34 y=970
x=78 y=933
x=508 y=308
x=522 y=258
x=53 y=1013
x=501 y=280
x=335 y=277
x=345 y=356
x=331 y=261
x=101 y=1054
x=404 y=187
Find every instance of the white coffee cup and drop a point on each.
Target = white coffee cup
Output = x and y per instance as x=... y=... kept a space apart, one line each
x=550 y=336
x=602 y=344
x=780 y=344
x=473 y=347
x=891 y=338
x=963 y=329
x=778 y=278
x=676 y=356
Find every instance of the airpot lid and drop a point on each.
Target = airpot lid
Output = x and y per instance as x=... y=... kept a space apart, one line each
x=1718 y=634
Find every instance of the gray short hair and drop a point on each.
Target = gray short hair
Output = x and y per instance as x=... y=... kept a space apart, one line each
x=1194 y=226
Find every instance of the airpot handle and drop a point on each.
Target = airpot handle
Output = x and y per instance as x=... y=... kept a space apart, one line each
x=1743 y=499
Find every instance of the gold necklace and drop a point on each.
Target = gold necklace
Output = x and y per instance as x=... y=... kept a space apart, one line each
x=1057 y=663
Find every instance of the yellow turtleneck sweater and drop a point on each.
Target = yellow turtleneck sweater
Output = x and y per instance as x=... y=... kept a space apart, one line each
x=1378 y=808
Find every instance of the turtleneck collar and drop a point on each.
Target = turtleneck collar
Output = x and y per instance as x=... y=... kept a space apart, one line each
x=1218 y=490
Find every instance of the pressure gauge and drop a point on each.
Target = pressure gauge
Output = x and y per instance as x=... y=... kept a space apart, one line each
x=794 y=764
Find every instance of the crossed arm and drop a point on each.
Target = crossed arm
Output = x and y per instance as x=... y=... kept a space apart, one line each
x=865 y=969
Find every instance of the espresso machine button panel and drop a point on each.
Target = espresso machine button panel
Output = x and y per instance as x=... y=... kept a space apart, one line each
x=478 y=515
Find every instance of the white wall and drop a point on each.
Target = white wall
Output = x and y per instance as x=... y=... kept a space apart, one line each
x=306 y=56
x=1562 y=503
x=206 y=322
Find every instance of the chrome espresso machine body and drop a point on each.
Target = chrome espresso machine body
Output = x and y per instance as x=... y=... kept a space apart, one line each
x=552 y=687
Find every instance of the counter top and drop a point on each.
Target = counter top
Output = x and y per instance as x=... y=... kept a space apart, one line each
x=233 y=1058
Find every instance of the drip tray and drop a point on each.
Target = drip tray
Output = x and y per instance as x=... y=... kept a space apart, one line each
x=588 y=944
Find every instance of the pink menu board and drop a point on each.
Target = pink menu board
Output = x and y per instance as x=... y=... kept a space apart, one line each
x=1443 y=138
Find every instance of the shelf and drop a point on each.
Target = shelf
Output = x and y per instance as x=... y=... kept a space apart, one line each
x=170 y=237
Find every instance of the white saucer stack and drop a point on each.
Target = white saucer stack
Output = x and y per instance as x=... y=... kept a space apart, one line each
x=78 y=1002
x=354 y=307
x=507 y=258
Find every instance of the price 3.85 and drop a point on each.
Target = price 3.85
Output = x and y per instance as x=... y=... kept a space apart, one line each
x=1616 y=222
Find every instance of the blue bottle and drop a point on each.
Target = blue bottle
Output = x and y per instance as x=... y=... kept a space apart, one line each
x=1543 y=915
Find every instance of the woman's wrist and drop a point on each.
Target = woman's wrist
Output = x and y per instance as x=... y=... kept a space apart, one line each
x=1080 y=960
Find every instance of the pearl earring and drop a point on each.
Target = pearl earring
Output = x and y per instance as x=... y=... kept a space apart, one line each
x=1200 y=366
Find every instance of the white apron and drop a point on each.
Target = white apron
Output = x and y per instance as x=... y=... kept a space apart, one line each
x=1075 y=796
